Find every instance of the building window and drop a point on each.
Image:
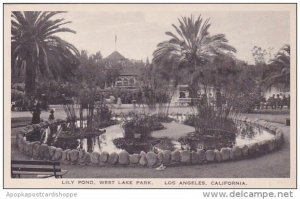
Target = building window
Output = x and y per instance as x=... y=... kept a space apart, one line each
x=125 y=82
x=131 y=82
x=119 y=82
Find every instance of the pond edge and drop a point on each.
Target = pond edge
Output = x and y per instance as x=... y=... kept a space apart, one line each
x=39 y=151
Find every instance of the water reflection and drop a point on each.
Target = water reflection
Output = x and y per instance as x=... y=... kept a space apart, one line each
x=168 y=139
x=247 y=134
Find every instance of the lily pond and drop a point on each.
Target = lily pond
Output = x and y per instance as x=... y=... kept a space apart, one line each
x=173 y=135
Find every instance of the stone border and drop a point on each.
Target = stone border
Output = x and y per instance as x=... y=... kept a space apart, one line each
x=36 y=150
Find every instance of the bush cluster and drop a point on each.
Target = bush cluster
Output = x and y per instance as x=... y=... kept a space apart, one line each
x=141 y=126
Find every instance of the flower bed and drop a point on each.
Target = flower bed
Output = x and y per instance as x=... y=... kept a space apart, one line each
x=41 y=151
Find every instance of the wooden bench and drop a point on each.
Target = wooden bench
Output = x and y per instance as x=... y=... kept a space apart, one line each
x=41 y=169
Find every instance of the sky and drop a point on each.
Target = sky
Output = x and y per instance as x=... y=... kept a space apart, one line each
x=138 y=32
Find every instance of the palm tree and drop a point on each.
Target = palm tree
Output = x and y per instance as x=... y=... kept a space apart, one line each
x=192 y=46
x=278 y=72
x=36 y=50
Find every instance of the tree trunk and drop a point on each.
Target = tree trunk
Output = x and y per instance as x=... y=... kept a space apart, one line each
x=193 y=88
x=194 y=83
x=29 y=79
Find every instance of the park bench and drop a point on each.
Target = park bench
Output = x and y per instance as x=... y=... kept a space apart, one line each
x=38 y=168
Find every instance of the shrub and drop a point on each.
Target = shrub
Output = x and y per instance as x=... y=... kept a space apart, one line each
x=66 y=143
x=103 y=113
x=246 y=102
x=140 y=126
x=103 y=117
x=34 y=135
x=213 y=128
x=210 y=121
x=16 y=95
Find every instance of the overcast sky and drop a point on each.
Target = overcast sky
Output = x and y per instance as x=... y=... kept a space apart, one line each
x=139 y=32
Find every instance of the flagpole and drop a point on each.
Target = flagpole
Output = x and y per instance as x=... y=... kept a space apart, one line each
x=115 y=42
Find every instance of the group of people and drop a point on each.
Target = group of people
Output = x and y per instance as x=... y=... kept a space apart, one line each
x=126 y=97
x=112 y=100
x=276 y=101
x=215 y=101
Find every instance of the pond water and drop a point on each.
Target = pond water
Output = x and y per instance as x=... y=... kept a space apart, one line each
x=247 y=134
x=104 y=142
x=173 y=136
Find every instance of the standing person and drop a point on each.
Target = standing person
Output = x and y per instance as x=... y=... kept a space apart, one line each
x=279 y=101
x=36 y=112
x=210 y=99
x=119 y=102
x=263 y=103
x=134 y=104
x=44 y=102
x=269 y=102
x=273 y=101
x=51 y=116
x=139 y=98
x=204 y=100
x=218 y=99
x=288 y=101
x=284 y=100
x=110 y=101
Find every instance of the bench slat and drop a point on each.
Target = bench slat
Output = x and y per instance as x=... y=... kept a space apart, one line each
x=35 y=162
x=35 y=169
x=39 y=173
x=34 y=166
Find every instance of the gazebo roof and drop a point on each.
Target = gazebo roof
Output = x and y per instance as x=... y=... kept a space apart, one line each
x=115 y=56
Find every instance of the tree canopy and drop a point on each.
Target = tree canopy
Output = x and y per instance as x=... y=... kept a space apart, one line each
x=191 y=46
x=36 y=48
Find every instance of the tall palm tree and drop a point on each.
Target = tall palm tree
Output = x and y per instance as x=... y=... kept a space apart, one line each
x=192 y=45
x=37 y=50
x=278 y=72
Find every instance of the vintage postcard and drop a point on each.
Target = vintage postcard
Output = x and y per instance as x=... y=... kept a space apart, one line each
x=149 y=96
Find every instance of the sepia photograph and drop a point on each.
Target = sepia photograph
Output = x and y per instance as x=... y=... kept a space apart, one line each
x=149 y=95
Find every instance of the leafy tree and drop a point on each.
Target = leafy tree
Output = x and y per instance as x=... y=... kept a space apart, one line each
x=192 y=46
x=91 y=70
x=111 y=74
x=242 y=90
x=37 y=50
x=97 y=57
x=259 y=54
x=278 y=71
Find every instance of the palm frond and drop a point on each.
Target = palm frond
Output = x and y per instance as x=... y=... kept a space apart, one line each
x=34 y=41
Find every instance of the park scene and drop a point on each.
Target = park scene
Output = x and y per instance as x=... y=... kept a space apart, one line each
x=197 y=100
